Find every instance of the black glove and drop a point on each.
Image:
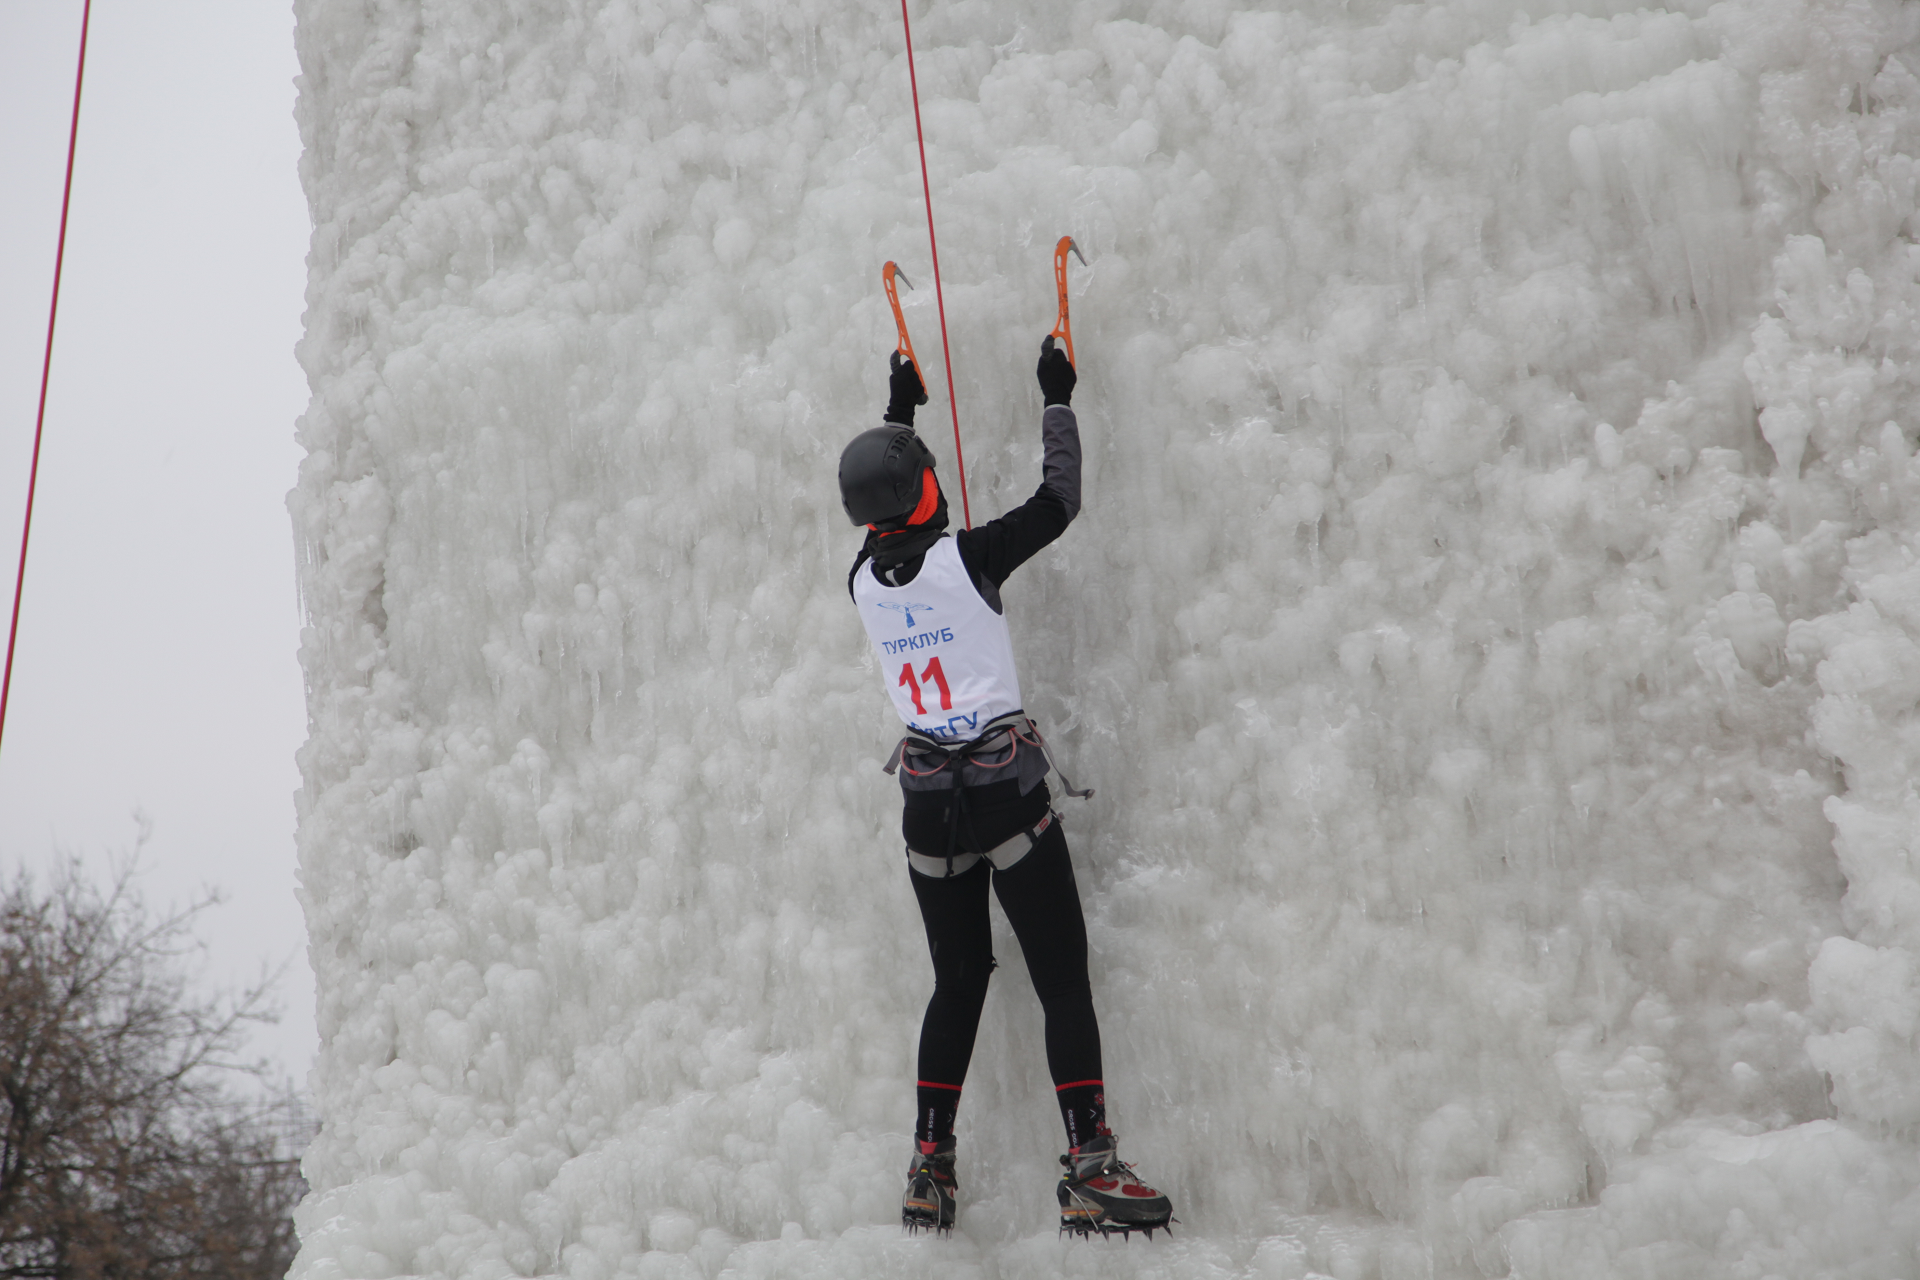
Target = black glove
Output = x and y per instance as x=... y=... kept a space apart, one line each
x=905 y=391
x=1056 y=374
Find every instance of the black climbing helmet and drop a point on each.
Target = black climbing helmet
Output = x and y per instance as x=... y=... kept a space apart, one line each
x=880 y=474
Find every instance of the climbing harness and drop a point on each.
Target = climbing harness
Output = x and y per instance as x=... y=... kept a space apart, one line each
x=995 y=747
x=1008 y=734
x=1002 y=857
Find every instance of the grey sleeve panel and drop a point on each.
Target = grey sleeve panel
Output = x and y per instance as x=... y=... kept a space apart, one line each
x=1060 y=467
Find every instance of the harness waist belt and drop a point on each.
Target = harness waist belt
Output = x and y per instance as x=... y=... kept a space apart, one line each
x=1008 y=732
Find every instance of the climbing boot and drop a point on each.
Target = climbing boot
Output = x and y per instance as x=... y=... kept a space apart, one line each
x=931 y=1190
x=1099 y=1193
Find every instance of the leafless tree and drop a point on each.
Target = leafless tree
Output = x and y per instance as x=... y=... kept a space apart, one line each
x=127 y=1151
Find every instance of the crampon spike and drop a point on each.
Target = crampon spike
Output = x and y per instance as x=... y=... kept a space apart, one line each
x=1086 y=1229
x=1062 y=330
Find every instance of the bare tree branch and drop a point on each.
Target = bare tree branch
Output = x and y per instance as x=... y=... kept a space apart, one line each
x=124 y=1152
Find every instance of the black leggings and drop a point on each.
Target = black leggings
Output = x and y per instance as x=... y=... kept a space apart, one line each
x=1042 y=903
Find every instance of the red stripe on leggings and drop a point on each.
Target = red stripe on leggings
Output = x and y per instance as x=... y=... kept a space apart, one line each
x=935 y=1084
x=1061 y=1088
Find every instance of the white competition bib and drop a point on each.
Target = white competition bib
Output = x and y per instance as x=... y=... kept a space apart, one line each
x=945 y=655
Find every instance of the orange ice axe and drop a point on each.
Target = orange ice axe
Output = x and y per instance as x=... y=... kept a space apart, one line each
x=887 y=274
x=1061 y=329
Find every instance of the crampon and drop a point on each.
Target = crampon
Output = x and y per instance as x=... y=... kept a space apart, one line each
x=1100 y=1194
x=929 y=1202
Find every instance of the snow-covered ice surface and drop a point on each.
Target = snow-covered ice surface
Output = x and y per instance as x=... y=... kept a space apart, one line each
x=1494 y=630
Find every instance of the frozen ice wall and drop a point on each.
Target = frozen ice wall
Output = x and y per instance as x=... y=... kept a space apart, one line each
x=1494 y=629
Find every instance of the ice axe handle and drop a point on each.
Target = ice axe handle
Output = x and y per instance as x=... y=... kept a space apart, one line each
x=1061 y=328
x=887 y=275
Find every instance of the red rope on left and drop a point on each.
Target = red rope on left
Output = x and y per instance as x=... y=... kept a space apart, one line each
x=46 y=366
x=939 y=298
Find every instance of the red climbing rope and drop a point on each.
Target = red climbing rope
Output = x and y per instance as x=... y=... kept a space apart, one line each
x=46 y=366
x=939 y=298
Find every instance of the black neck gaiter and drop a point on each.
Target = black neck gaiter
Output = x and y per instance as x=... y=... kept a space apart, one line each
x=897 y=546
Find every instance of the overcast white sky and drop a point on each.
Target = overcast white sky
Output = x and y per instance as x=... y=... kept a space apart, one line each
x=156 y=663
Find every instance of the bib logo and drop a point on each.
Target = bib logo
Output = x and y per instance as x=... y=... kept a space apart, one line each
x=905 y=608
x=906 y=644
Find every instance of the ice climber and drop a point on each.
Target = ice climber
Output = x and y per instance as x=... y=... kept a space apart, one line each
x=973 y=771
